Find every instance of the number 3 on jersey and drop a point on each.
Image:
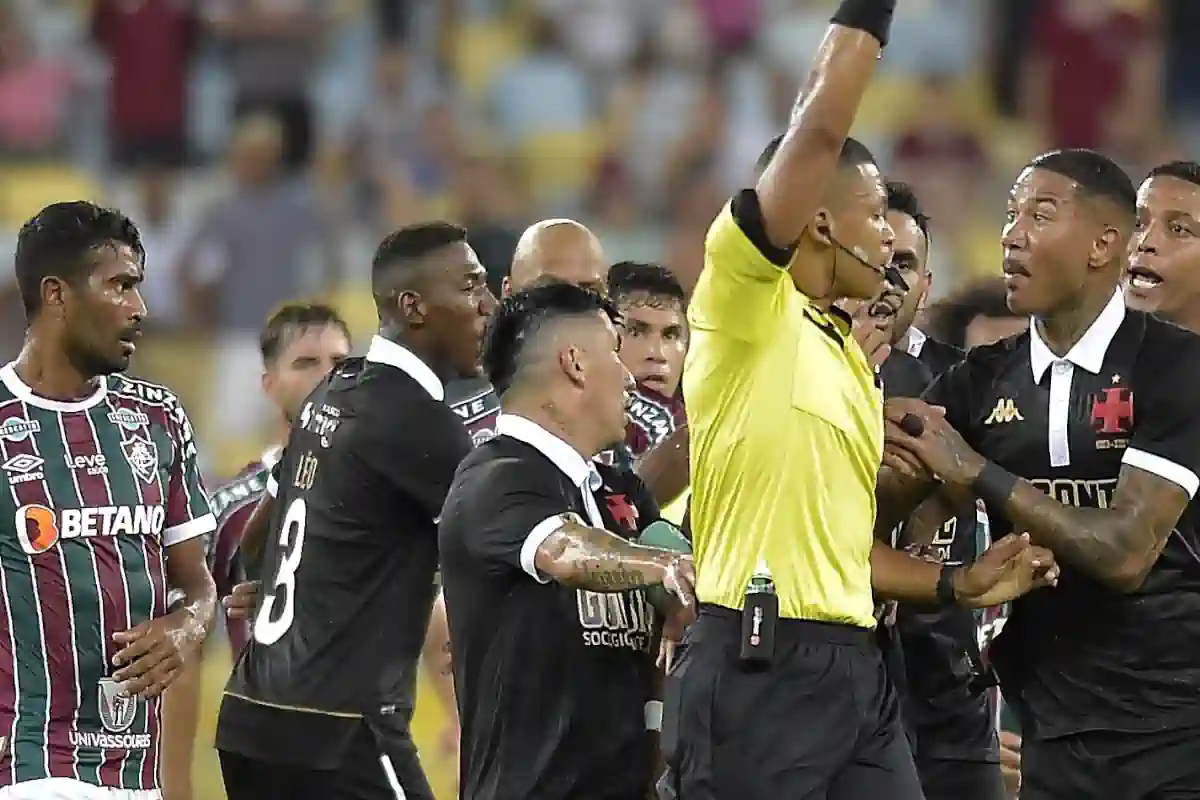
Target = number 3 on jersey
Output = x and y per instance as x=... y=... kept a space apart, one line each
x=279 y=607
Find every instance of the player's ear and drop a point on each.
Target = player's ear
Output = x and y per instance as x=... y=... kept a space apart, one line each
x=268 y=382
x=54 y=293
x=1107 y=247
x=412 y=307
x=570 y=359
x=821 y=228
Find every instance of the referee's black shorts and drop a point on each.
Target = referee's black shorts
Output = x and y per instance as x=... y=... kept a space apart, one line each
x=379 y=764
x=1154 y=765
x=822 y=722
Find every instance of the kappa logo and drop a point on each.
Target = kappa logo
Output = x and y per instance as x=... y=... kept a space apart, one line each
x=39 y=528
x=1005 y=411
x=23 y=468
x=129 y=419
x=142 y=455
x=16 y=429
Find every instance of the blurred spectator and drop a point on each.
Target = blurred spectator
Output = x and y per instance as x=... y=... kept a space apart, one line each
x=651 y=113
x=603 y=34
x=35 y=94
x=492 y=210
x=946 y=162
x=165 y=234
x=272 y=48
x=1092 y=62
x=262 y=243
x=402 y=150
x=792 y=37
x=12 y=313
x=543 y=91
x=149 y=44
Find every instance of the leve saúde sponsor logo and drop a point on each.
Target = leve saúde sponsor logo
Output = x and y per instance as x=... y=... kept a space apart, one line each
x=39 y=528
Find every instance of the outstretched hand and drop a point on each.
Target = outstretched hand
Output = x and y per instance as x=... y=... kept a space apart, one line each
x=939 y=447
x=1008 y=569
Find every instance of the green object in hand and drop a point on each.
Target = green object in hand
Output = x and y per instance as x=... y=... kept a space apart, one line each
x=664 y=536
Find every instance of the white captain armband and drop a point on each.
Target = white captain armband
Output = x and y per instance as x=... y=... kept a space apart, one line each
x=654 y=715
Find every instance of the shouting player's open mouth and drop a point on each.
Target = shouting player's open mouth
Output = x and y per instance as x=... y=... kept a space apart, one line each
x=1141 y=280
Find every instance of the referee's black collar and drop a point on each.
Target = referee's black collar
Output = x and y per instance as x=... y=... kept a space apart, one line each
x=579 y=469
x=834 y=323
x=385 y=351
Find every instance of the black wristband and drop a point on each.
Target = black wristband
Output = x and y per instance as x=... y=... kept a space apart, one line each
x=994 y=485
x=872 y=16
x=945 y=585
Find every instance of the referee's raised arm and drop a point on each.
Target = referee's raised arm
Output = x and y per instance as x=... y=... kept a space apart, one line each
x=794 y=183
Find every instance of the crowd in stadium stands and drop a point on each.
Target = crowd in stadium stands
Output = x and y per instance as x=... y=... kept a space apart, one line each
x=262 y=152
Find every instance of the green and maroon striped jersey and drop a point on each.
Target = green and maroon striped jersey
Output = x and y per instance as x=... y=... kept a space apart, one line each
x=96 y=490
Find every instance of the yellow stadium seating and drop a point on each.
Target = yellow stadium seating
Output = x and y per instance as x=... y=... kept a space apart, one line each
x=26 y=190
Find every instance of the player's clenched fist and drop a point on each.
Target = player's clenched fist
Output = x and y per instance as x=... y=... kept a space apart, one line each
x=240 y=604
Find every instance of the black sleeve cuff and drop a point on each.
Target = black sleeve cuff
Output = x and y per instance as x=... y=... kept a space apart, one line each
x=748 y=215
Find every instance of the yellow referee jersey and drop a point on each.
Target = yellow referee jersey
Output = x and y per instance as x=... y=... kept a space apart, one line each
x=786 y=429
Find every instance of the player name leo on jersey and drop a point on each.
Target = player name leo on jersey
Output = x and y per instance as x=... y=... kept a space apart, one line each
x=39 y=528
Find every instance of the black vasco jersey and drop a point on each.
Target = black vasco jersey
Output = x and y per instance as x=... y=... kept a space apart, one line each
x=348 y=573
x=937 y=356
x=945 y=705
x=1080 y=656
x=551 y=681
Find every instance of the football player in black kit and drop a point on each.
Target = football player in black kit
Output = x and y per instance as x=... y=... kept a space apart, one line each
x=1164 y=262
x=552 y=629
x=1097 y=409
x=949 y=714
x=320 y=700
x=911 y=257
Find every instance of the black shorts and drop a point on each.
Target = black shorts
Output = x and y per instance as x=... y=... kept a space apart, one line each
x=947 y=779
x=822 y=722
x=378 y=765
x=1162 y=765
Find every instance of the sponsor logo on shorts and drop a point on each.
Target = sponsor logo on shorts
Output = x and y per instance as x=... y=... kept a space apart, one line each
x=39 y=528
x=16 y=429
x=624 y=620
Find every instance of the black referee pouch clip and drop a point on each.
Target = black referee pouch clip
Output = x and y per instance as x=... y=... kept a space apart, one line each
x=760 y=618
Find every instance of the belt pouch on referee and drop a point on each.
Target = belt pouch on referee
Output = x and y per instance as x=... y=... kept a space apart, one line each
x=760 y=617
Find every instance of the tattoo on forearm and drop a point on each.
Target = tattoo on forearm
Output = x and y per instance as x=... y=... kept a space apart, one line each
x=599 y=561
x=614 y=578
x=1117 y=544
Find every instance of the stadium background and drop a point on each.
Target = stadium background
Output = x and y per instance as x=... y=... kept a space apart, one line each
x=637 y=116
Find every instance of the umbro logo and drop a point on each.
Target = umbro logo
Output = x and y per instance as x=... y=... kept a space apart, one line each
x=23 y=468
x=1005 y=411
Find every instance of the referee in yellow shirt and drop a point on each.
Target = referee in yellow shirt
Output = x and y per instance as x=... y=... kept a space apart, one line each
x=787 y=433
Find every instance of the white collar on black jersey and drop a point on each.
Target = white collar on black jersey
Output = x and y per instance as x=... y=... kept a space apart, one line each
x=8 y=375
x=579 y=469
x=916 y=341
x=383 y=351
x=1088 y=352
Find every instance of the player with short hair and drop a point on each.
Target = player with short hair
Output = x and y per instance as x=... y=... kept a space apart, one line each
x=947 y=708
x=652 y=308
x=1097 y=409
x=319 y=704
x=551 y=625
x=1164 y=261
x=105 y=513
x=300 y=344
x=910 y=255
